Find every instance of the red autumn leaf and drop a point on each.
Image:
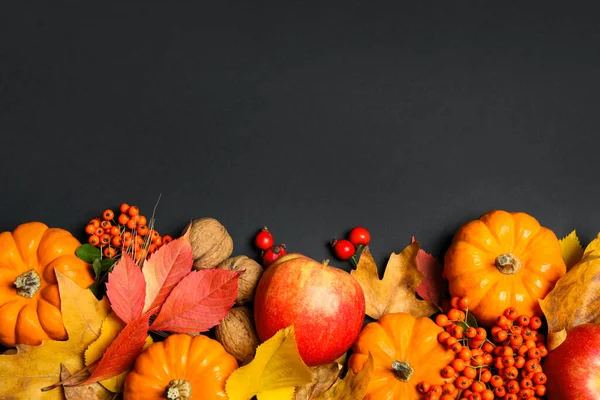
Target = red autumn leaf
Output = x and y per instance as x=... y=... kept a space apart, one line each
x=126 y=289
x=122 y=352
x=199 y=302
x=433 y=286
x=171 y=263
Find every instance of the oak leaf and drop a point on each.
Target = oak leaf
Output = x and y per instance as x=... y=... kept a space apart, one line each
x=111 y=327
x=85 y=392
x=433 y=287
x=24 y=373
x=126 y=289
x=198 y=302
x=353 y=386
x=275 y=371
x=164 y=269
x=324 y=377
x=396 y=291
x=572 y=252
x=574 y=299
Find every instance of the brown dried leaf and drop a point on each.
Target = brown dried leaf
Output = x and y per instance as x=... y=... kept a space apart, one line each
x=396 y=291
x=324 y=376
x=575 y=298
x=85 y=392
x=353 y=386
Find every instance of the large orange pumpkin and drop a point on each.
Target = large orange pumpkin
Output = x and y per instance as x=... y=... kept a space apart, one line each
x=405 y=352
x=29 y=298
x=503 y=260
x=180 y=367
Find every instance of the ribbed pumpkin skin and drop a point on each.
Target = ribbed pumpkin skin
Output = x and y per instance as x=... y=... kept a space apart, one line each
x=400 y=337
x=200 y=360
x=470 y=264
x=34 y=246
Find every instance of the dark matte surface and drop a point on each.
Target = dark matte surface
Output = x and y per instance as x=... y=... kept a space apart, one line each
x=407 y=119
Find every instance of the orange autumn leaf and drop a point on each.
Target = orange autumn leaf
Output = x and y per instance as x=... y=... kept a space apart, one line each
x=396 y=291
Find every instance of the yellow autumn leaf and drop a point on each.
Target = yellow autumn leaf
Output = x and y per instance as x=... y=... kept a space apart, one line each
x=353 y=386
x=571 y=249
x=25 y=372
x=396 y=291
x=275 y=371
x=111 y=327
x=574 y=299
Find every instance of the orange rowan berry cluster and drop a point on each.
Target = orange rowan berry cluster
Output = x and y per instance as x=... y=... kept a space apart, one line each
x=127 y=233
x=504 y=365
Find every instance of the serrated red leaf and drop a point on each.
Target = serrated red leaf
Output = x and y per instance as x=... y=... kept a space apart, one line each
x=433 y=286
x=165 y=269
x=126 y=289
x=199 y=302
x=122 y=352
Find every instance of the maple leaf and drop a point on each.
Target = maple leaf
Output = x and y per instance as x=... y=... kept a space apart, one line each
x=86 y=392
x=122 y=352
x=111 y=326
x=572 y=252
x=396 y=291
x=198 y=302
x=164 y=269
x=126 y=289
x=574 y=299
x=353 y=386
x=273 y=373
x=25 y=372
x=433 y=286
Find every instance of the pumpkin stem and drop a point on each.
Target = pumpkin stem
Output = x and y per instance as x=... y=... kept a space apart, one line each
x=508 y=264
x=28 y=283
x=179 y=389
x=402 y=370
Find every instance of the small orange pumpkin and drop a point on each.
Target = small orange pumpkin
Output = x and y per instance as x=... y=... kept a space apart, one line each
x=503 y=260
x=179 y=367
x=405 y=352
x=29 y=297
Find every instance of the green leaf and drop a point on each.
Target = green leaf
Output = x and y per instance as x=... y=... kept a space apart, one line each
x=107 y=264
x=88 y=253
x=470 y=322
x=98 y=289
x=97 y=265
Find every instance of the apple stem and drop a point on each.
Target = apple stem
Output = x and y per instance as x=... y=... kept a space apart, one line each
x=402 y=370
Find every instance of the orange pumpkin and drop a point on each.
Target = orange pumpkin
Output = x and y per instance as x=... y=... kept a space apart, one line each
x=503 y=260
x=179 y=367
x=29 y=298
x=405 y=352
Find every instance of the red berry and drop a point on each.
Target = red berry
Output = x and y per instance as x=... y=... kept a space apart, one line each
x=359 y=236
x=273 y=254
x=343 y=249
x=263 y=239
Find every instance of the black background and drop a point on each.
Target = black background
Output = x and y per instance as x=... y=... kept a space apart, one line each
x=408 y=119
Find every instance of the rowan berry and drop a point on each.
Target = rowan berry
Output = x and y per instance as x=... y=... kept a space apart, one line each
x=90 y=229
x=142 y=230
x=158 y=241
x=523 y=320
x=540 y=390
x=500 y=391
x=133 y=211
x=106 y=225
x=105 y=239
x=462 y=382
x=458 y=332
x=94 y=240
x=449 y=389
x=99 y=231
x=481 y=334
x=124 y=207
x=513 y=386
x=454 y=314
x=454 y=302
x=167 y=239
x=535 y=322
x=110 y=252
x=469 y=372
x=447 y=372
x=95 y=222
x=108 y=215
x=141 y=220
x=131 y=224
x=496 y=381
x=463 y=303
x=458 y=365
x=423 y=387
x=477 y=387
x=116 y=241
x=487 y=395
x=442 y=320
x=435 y=389
x=501 y=336
x=123 y=219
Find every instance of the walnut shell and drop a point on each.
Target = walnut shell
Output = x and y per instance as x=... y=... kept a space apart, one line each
x=210 y=242
x=247 y=281
x=237 y=334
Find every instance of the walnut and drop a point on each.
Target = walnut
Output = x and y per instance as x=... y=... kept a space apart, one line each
x=247 y=281
x=237 y=334
x=210 y=242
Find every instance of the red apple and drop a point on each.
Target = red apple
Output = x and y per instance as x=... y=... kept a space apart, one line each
x=573 y=368
x=326 y=306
